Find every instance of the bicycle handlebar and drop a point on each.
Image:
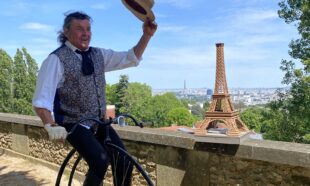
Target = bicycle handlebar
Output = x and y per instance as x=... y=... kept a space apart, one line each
x=109 y=121
x=131 y=117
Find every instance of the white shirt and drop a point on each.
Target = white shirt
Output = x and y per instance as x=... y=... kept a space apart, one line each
x=51 y=74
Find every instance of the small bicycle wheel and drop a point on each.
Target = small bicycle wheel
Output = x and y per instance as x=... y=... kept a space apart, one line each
x=125 y=169
x=62 y=177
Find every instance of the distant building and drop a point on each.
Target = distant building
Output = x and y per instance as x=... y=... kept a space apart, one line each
x=209 y=93
x=110 y=112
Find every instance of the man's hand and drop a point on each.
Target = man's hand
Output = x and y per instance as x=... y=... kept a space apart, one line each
x=149 y=27
x=55 y=132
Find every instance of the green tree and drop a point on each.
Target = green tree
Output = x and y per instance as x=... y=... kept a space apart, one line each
x=206 y=106
x=137 y=100
x=291 y=112
x=6 y=69
x=255 y=118
x=19 y=75
x=32 y=71
x=22 y=106
x=197 y=111
x=185 y=102
x=180 y=116
x=161 y=105
x=307 y=138
x=24 y=77
x=111 y=94
x=121 y=89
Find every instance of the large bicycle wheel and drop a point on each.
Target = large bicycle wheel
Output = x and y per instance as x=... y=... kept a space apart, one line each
x=125 y=169
x=128 y=173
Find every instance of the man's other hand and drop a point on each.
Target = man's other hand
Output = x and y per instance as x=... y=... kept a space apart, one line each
x=55 y=132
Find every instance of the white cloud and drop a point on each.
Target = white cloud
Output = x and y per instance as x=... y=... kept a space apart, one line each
x=261 y=39
x=160 y=15
x=171 y=28
x=182 y=57
x=177 y=3
x=251 y=21
x=248 y=55
x=14 y=8
x=36 y=26
x=99 y=6
x=43 y=40
x=253 y=16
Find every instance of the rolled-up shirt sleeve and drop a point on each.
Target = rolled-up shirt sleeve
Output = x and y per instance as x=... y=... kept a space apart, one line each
x=119 y=60
x=50 y=74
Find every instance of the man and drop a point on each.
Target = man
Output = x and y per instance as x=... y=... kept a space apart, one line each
x=71 y=84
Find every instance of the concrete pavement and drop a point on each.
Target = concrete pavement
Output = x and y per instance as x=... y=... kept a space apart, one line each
x=18 y=171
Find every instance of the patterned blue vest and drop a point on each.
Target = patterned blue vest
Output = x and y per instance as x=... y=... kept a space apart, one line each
x=80 y=96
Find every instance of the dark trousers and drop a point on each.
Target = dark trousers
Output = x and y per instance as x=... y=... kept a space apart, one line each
x=94 y=153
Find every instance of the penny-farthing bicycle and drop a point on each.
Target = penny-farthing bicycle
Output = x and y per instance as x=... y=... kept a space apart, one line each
x=140 y=176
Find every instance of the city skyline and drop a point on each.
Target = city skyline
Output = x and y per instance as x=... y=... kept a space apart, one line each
x=255 y=38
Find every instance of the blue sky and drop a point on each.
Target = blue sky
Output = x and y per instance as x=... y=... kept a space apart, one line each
x=183 y=48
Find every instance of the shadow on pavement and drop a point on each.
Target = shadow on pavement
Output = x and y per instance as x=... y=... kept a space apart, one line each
x=19 y=178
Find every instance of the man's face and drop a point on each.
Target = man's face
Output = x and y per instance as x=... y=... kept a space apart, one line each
x=79 y=33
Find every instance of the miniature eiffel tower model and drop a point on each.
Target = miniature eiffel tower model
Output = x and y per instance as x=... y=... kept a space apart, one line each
x=221 y=113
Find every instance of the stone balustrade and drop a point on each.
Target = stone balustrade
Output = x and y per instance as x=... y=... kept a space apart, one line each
x=176 y=158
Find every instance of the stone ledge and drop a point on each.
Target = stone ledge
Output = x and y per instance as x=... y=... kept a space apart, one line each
x=276 y=151
x=156 y=136
x=265 y=150
x=21 y=119
x=271 y=151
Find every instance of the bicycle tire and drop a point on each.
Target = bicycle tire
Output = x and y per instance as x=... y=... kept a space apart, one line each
x=74 y=168
x=111 y=147
x=63 y=166
x=124 y=154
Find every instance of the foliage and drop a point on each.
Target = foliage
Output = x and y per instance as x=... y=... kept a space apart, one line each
x=180 y=116
x=111 y=97
x=120 y=91
x=17 y=82
x=291 y=112
x=197 y=111
x=240 y=105
x=185 y=102
x=19 y=75
x=137 y=100
x=255 y=118
x=206 y=106
x=32 y=70
x=161 y=105
x=24 y=79
x=307 y=138
x=21 y=106
x=6 y=68
x=286 y=123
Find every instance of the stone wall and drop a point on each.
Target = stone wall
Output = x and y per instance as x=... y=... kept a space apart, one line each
x=228 y=170
x=174 y=158
x=42 y=148
x=5 y=135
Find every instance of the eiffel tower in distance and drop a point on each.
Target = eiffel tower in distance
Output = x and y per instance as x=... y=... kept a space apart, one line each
x=221 y=113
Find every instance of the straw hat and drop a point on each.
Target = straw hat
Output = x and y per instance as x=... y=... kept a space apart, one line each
x=140 y=8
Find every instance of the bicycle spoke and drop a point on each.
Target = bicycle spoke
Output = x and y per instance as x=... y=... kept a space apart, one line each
x=114 y=167
x=130 y=168
x=127 y=170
